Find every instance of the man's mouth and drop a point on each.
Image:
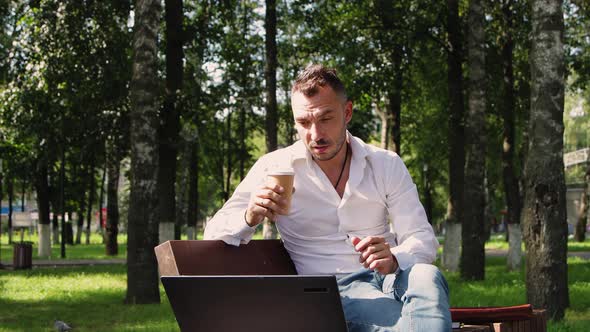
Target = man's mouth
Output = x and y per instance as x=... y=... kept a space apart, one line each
x=320 y=148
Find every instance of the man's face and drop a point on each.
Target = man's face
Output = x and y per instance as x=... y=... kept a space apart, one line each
x=321 y=121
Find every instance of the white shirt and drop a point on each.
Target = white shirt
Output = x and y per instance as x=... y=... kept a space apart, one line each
x=314 y=233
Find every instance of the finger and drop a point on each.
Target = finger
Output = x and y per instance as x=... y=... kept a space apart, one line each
x=354 y=240
x=380 y=247
x=383 y=266
x=275 y=187
x=255 y=214
x=369 y=258
x=270 y=194
x=271 y=215
x=263 y=212
x=269 y=204
x=364 y=243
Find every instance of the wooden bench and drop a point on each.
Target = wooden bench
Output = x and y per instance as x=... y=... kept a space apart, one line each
x=269 y=257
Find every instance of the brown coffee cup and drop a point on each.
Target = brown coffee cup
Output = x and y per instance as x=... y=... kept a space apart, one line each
x=284 y=178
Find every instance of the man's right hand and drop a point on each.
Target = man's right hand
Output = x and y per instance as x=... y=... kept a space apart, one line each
x=268 y=202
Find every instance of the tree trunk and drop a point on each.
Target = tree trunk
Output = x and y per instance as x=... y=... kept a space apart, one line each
x=384 y=119
x=55 y=225
x=387 y=13
x=289 y=123
x=580 y=231
x=395 y=103
x=142 y=271
x=545 y=225
x=510 y=178
x=229 y=151
x=514 y=257
x=193 y=191
x=101 y=220
x=244 y=107
x=91 y=196
x=192 y=212
x=10 y=188
x=490 y=209
x=170 y=119
x=81 y=210
x=452 y=246
x=270 y=75
x=42 y=188
x=62 y=197
x=456 y=144
x=269 y=230
x=428 y=199
x=82 y=202
x=23 y=194
x=473 y=230
x=112 y=226
x=182 y=184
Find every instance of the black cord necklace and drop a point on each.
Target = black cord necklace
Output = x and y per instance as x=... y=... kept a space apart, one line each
x=343 y=167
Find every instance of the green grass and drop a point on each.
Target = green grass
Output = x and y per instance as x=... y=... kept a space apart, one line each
x=94 y=250
x=499 y=242
x=503 y=287
x=91 y=298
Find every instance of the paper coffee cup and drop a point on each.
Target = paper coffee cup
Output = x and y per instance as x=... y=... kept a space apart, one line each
x=284 y=178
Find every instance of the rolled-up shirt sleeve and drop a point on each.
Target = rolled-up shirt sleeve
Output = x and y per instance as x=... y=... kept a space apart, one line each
x=229 y=223
x=416 y=242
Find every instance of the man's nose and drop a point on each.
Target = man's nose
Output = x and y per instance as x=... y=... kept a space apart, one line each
x=315 y=132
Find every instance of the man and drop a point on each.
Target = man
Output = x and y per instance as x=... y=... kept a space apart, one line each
x=338 y=223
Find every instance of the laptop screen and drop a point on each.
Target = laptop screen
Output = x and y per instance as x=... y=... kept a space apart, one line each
x=256 y=303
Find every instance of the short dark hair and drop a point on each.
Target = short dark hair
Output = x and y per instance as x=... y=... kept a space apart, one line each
x=315 y=76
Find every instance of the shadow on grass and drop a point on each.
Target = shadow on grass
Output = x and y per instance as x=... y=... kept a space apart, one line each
x=93 y=311
x=88 y=298
x=503 y=287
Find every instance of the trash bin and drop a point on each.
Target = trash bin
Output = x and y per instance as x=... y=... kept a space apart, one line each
x=22 y=255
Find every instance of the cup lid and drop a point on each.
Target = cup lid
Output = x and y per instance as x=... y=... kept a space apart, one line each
x=282 y=171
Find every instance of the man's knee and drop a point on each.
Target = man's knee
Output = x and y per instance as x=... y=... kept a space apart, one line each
x=424 y=275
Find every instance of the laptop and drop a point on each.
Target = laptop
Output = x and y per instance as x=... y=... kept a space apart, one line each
x=256 y=303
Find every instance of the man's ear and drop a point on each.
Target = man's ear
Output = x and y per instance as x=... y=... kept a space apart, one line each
x=348 y=111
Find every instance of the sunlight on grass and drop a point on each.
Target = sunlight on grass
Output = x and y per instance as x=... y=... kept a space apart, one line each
x=94 y=250
x=89 y=298
x=503 y=287
x=498 y=242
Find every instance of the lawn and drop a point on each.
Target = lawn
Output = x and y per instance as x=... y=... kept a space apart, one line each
x=499 y=242
x=507 y=288
x=94 y=250
x=91 y=297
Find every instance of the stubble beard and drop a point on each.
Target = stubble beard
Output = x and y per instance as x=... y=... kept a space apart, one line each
x=339 y=145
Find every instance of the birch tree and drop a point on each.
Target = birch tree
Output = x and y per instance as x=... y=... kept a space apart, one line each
x=142 y=272
x=545 y=225
x=473 y=234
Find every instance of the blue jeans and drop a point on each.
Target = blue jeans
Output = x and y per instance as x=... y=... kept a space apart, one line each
x=416 y=299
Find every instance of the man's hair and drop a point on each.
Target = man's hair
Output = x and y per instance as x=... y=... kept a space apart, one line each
x=314 y=76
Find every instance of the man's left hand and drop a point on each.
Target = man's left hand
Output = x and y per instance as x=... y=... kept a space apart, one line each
x=375 y=254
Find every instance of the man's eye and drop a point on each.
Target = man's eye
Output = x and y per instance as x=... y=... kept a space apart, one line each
x=326 y=119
